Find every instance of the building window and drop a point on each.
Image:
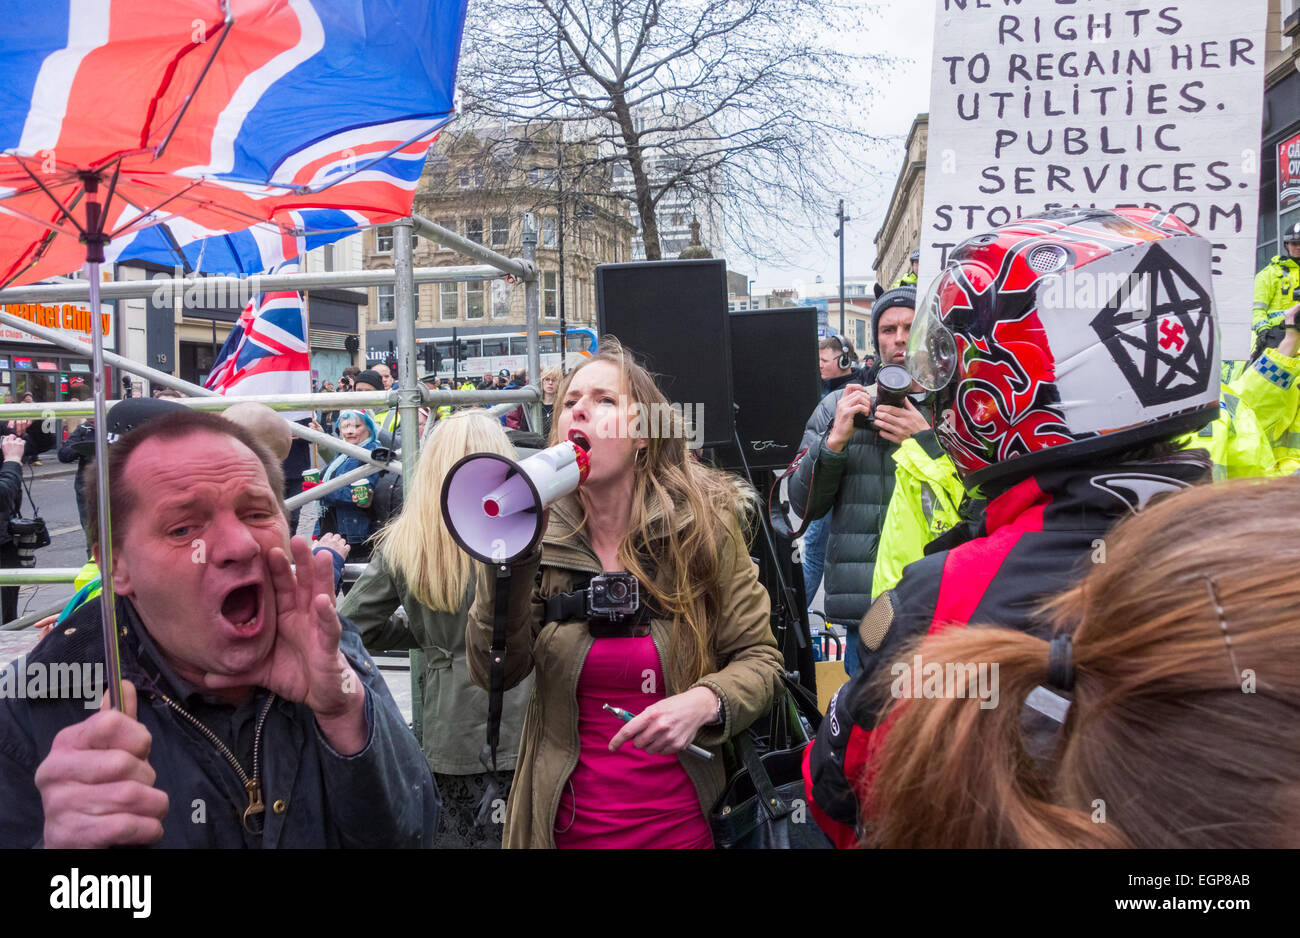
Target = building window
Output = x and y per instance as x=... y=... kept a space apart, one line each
x=384 y=239
x=549 y=309
x=462 y=177
x=448 y=300
x=500 y=230
x=450 y=225
x=549 y=229
x=862 y=334
x=474 y=300
x=384 y=303
x=474 y=230
x=500 y=300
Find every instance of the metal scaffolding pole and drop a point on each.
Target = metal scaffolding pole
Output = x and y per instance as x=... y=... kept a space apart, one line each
x=237 y=290
x=532 y=296
x=524 y=269
x=329 y=400
x=171 y=381
x=408 y=395
x=405 y=300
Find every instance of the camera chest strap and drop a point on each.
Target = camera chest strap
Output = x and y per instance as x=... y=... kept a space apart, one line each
x=571 y=605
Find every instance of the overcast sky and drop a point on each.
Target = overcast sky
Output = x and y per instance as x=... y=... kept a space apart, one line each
x=905 y=29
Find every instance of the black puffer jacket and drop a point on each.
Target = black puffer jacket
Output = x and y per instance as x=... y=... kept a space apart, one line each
x=854 y=487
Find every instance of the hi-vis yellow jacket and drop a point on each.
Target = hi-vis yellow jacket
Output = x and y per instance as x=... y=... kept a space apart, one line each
x=1275 y=287
x=928 y=493
x=1271 y=389
x=388 y=420
x=1238 y=446
x=926 y=502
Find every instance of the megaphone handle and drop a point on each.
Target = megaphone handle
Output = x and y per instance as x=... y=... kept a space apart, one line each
x=497 y=676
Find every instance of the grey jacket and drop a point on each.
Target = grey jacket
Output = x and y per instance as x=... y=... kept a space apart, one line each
x=455 y=710
x=854 y=488
x=382 y=796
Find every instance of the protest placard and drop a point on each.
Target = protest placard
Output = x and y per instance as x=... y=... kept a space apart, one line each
x=1038 y=104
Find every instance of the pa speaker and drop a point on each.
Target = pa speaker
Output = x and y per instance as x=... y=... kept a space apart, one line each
x=778 y=386
x=673 y=316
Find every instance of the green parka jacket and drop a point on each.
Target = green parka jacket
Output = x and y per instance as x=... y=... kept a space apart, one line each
x=455 y=711
x=748 y=666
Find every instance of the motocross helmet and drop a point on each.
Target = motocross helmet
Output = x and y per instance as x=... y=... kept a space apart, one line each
x=1060 y=337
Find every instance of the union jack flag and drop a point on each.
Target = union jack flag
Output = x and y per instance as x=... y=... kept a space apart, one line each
x=267 y=350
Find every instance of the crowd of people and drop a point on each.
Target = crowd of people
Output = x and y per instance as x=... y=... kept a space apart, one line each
x=1087 y=492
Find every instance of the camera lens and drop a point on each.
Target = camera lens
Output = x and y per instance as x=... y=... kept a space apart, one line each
x=618 y=591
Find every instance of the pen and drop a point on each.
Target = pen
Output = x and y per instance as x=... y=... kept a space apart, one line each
x=626 y=715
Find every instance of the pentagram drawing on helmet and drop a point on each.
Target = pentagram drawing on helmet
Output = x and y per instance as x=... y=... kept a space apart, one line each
x=1159 y=330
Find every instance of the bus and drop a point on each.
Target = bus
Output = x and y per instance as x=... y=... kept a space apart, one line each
x=488 y=353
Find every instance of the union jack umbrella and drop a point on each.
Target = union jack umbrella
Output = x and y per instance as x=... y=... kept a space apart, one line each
x=221 y=135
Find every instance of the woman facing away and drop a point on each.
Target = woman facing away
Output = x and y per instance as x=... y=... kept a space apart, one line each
x=417 y=565
x=696 y=662
x=1179 y=660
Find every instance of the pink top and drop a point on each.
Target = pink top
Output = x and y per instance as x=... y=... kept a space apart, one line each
x=628 y=799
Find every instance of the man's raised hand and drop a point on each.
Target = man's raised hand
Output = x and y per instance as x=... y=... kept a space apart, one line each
x=305 y=664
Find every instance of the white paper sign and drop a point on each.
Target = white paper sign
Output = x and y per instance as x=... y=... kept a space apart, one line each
x=1038 y=104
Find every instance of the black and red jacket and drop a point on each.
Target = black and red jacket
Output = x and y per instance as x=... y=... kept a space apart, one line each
x=1037 y=539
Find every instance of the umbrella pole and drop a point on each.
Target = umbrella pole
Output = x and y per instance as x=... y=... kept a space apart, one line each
x=95 y=241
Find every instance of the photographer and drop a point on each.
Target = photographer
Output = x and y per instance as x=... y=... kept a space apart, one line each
x=691 y=654
x=11 y=494
x=845 y=469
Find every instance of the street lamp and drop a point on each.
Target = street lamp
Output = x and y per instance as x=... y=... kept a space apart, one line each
x=840 y=234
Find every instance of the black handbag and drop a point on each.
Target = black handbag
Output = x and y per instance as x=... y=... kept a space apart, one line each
x=763 y=806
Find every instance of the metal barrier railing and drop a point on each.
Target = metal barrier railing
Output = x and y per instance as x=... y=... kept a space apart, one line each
x=26 y=577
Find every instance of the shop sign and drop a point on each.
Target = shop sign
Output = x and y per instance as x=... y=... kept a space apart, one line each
x=1288 y=173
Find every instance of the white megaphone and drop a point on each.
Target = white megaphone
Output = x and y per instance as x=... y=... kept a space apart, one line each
x=493 y=505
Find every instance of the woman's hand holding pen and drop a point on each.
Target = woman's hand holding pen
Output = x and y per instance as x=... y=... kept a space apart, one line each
x=669 y=725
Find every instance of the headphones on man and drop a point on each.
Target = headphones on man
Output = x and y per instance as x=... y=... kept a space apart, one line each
x=846 y=353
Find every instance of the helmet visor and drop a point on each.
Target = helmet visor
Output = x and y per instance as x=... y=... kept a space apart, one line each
x=931 y=348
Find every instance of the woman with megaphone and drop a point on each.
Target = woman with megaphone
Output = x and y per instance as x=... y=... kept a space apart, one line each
x=641 y=596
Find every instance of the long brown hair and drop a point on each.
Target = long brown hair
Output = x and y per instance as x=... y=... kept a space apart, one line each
x=682 y=512
x=1183 y=728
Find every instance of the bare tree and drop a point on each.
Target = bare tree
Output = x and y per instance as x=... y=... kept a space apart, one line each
x=740 y=103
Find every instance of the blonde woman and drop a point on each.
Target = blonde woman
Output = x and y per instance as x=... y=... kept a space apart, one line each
x=696 y=663
x=549 y=383
x=418 y=566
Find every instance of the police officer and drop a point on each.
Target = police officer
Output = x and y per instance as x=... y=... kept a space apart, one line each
x=909 y=279
x=1275 y=286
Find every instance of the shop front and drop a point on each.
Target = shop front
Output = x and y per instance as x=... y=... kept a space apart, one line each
x=29 y=365
x=1279 y=183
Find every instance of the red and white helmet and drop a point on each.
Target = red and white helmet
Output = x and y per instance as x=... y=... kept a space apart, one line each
x=1070 y=334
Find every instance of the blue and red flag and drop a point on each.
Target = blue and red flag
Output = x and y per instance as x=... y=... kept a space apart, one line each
x=232 y=135
x=267 y=351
